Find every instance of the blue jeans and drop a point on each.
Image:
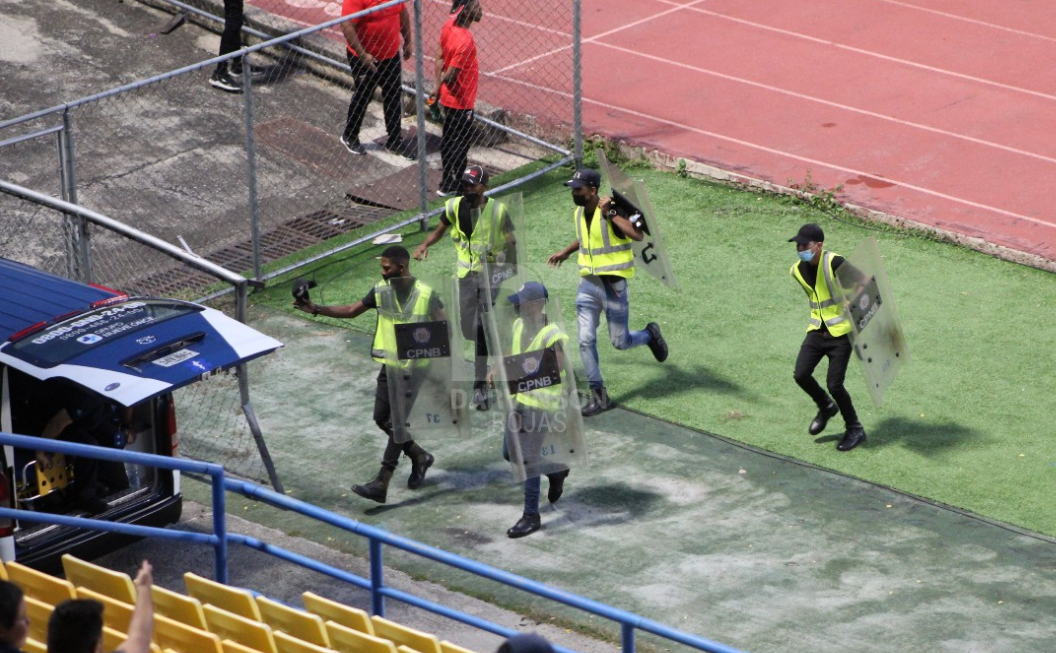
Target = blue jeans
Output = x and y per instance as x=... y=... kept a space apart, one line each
x=593 y=297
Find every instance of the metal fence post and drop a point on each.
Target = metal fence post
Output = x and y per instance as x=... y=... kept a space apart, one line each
x=78 y=254
x=627 y=637
x=377 y=569
x=419 y=107
x=220 y=526
x=251 y=164
x=577 y=83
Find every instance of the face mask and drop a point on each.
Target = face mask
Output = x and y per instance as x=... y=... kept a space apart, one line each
x=806 y=255
x=580 y=200
x=471 y=197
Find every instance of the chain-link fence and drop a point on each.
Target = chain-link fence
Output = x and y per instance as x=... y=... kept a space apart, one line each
x=294 y=156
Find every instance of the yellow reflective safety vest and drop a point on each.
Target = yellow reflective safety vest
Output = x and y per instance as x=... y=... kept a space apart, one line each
x=824 y=307
x=601 y=251
x=483 y=242
x=548 y=336
x=414 y=309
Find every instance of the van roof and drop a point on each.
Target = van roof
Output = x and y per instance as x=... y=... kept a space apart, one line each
x=29 y=296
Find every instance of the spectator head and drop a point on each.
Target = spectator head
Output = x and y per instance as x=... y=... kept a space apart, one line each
x=469 y=11
x=14 y=624
x=76 y=626
x=526 y=643
x=395 y=262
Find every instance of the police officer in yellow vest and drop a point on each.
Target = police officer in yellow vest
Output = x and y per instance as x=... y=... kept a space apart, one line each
x=606 y=262
x=416 y=299
x=826 y=335
x=481 y=230
x=535 y=409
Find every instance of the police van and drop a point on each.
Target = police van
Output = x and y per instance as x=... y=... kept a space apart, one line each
x=93 y=365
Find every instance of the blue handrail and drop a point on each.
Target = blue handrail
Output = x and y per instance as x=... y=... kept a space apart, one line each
x=629 y=622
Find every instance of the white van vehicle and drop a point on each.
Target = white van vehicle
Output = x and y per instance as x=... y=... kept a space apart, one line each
x=92 y=365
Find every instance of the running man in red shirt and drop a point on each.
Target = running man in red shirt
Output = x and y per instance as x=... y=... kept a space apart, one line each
x=457 y=72
x=374 y=44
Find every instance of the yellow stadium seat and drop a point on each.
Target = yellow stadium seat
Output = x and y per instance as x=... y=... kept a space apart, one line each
x=288 y=644
x=298 y=623
x=181 y=638
x=38 y=613
x=116 y=614
x=3 y=572
x=225 y=597
x=99 y=579
x=247 y=632
x=339 y=613
x=347 y=640
x=39 y=585
x=113 y=639
x=451 y=647
x=33 y=646
x=405 y=649
x=403 y=636
x=180 y=607
x=230 y=646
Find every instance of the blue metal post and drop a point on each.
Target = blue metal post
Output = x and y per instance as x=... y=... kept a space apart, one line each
x=627 y=631
x=220 y=525
x=377 y=599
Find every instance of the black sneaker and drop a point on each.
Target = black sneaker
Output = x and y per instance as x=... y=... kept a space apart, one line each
x=402 y=148
x=657 y=344
x=355 y=147
x=223 y=80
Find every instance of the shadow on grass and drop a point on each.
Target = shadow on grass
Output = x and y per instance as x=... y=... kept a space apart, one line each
x=680 y=379
x=925 y=438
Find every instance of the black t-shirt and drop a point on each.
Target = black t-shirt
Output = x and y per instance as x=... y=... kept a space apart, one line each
x=465 y=217
x=810 y=273
x=370 y=300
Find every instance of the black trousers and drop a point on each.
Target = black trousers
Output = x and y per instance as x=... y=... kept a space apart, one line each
x=89 y=473
x=454 y=145
x=387 y=75
x=817 y=345
x=473 y=301
x=383 y=418
x=231 y=38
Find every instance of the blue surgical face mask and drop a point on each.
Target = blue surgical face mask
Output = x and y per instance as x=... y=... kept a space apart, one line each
x=806 y=255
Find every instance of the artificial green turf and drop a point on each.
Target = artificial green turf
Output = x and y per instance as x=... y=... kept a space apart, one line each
x=967 y=423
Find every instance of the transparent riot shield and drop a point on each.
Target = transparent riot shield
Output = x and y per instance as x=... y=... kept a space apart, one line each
x=532 y=374
x=632 y=201
x=876 y=331
x=428 y=386
x=499 y=254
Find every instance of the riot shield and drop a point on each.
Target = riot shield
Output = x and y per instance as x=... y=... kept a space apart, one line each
x=428 y=386
x=876 y=331
x=532 y=374
x=632 y=201
x=499 y=270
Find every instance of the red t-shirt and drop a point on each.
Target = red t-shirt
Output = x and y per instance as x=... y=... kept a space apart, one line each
x=459 y=50
x=379 y=32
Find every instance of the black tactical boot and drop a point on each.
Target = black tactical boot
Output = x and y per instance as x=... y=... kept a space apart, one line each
x=557 y=485
x=526 y=525
x=817 y=425
x=421 y=461
x=377 y=488
x=597 y=402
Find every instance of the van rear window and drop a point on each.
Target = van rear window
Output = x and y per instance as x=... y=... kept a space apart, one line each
x=64 y=340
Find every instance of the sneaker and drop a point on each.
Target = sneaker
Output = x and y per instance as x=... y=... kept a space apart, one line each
x=223 y=80
x=657 y=344
x=355 y=147
x=255 y=72
x=402 y=148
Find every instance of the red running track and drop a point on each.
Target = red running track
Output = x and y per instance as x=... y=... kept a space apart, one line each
x=936 y=111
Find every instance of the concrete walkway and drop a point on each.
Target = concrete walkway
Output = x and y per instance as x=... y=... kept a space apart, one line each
x=741 y=547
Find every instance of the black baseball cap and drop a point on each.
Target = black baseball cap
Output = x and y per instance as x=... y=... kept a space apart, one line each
x=584 y=177
x=458 y=4
x=475 y=175
x=808 y=233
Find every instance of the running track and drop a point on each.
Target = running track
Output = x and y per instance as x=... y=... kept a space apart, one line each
x=941 y=112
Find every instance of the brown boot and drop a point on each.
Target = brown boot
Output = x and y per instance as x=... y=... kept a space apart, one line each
x=421 y=461
x=377 y=488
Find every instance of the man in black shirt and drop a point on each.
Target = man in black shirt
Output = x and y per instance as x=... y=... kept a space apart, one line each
x=826 y=335
x=395 y=269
